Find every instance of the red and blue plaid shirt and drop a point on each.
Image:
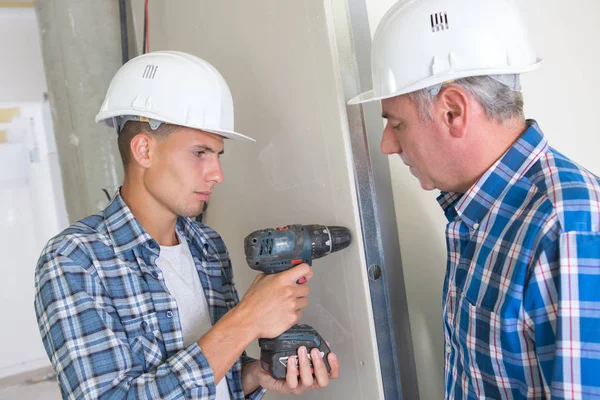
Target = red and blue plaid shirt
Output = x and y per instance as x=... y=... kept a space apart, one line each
x=521 y=300
x=110 y=327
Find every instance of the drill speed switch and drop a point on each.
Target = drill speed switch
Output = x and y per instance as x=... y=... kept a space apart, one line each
x=274 y=353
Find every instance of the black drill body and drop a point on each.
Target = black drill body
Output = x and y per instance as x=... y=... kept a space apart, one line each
x=276 y=250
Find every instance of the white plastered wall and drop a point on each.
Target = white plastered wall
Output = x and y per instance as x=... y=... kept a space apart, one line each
x=562 y=96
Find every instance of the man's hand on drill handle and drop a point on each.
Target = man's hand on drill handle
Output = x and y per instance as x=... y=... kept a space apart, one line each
x=296 y=382
x=273 y=303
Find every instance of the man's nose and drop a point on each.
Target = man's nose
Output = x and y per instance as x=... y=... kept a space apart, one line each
x=215 y=173
x=389 y=142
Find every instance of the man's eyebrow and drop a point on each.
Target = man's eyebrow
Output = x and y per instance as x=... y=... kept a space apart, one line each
x=208 y=149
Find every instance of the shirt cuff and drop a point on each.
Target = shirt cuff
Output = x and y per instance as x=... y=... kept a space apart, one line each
x=257 y=394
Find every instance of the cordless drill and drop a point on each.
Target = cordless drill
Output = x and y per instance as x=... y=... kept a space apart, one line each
x=276 y=250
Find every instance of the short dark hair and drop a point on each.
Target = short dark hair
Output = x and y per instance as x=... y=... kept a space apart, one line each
x=132 y=129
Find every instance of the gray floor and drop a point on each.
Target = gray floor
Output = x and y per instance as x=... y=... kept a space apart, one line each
x=32 y=385
x=39 y=391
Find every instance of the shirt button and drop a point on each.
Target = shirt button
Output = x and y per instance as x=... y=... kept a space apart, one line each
x=475 y=226
x=169 y=314
x=144 y=324
x=448 y=348
x=155 y=275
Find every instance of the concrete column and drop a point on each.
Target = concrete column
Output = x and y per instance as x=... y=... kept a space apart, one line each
x=81 y=47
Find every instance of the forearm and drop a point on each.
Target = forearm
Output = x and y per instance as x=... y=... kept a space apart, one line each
x=223 y=345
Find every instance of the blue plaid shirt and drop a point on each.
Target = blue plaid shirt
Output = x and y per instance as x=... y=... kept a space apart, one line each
x=110 y=327
x=521 y=300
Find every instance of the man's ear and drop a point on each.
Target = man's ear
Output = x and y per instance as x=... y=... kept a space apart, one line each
x=455 y=105
x=140 y=149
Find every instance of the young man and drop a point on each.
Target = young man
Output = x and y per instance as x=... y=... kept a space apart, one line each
x=138 y=301
x=521 y=304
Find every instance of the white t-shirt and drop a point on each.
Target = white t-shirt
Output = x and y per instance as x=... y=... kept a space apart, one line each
x=183 y=282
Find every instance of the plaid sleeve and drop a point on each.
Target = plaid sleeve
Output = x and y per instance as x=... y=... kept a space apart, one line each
x=88 y=347
x=232 y=298
x=562 y=311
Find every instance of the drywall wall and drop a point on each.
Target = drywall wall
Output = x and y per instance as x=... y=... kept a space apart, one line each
x=277 y=60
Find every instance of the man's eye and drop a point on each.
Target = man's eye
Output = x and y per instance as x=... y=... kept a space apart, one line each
x=199 y=153
x=398 y=126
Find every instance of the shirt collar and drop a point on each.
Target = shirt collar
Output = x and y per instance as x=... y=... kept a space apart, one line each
x=126 y=233
x=474 y=205
x=124 y=230
x=190 y=230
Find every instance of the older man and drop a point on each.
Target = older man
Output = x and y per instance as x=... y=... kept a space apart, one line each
x=521 y=304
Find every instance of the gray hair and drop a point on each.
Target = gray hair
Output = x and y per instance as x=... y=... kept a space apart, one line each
x=500 y=102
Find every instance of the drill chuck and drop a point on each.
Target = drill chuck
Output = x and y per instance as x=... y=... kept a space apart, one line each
x=340 y=238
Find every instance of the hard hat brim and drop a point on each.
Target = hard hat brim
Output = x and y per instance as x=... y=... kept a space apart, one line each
x=231 y=135
x=365 y=97
x=106 y=118
x=370 y=95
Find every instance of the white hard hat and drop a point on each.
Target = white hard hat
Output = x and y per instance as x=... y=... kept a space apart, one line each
x=421 y=43
x=170 y=87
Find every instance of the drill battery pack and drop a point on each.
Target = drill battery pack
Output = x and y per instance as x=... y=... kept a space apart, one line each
x=274 y=353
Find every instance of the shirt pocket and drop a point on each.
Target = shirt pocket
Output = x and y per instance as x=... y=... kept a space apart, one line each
x=487 y=341
x=146 y=340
